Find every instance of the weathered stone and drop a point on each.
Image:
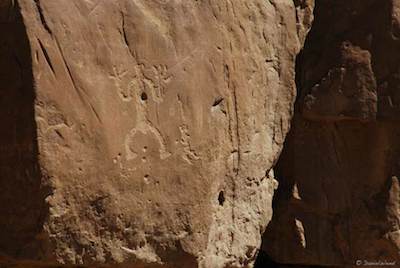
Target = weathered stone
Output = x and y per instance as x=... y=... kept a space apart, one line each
x=342 y=154
x=143 y=132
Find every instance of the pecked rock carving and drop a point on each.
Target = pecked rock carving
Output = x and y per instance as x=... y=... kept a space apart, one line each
x=143 y=133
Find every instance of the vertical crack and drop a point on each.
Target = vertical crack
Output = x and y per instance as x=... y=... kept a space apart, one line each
x=42 y=17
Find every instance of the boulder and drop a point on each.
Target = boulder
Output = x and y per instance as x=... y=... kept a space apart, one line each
x=143 y=133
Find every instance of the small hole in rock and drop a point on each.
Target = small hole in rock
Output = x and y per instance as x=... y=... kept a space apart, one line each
x=217 y=101
x=346 y=44
x=143 y=96
x=221 y=198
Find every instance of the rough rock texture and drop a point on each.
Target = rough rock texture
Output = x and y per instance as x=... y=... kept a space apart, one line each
x=143 y=132
x=339 y=195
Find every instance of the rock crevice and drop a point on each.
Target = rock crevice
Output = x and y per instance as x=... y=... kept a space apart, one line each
x=337 y=202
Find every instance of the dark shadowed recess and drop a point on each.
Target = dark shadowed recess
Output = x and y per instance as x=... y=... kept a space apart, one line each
x=315 y=160
x=22 y=206
x=264 y=261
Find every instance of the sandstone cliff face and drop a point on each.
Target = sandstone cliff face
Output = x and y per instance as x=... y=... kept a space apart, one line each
x=339 y=195
x=143 y=132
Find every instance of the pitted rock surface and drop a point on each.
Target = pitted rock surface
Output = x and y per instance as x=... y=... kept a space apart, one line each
x=144 y=133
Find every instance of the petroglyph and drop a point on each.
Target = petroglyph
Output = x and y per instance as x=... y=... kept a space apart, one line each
x=143 y=116
x=190 y=154
x=155 y=80
x=145 y=134
x=126 y=90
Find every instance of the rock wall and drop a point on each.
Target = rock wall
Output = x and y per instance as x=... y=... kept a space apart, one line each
x=339 y=196
x=146 y=133
x=21 y=193
x=143 y=132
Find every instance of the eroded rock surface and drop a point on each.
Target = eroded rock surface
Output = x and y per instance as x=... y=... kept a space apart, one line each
x=143 y=132
x=339 y=197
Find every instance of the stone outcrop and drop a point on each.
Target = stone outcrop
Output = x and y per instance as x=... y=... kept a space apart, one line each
x=339 y=197
x=143 y=132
